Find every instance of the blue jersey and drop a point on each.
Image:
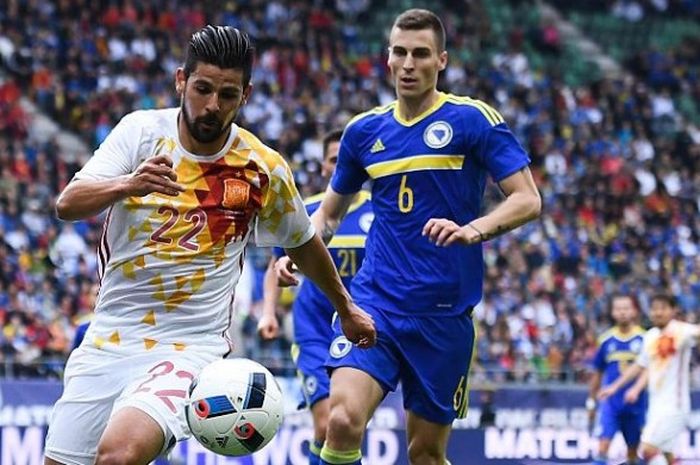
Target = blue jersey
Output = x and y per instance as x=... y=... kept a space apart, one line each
x=434 y=166
x=312 y=311
x=615 y=352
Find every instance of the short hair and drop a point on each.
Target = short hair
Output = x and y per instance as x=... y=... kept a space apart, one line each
x=417 y=19
x=334 y=135
x=668 y=299
x=223 y=46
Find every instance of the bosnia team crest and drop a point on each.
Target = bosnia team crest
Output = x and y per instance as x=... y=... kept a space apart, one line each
x=236 y=193
x=340 y=347
x=437 y=135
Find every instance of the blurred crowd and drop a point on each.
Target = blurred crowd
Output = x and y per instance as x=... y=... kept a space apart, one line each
x=617 y=162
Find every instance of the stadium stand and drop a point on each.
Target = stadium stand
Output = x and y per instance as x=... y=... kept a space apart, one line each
x=617 y=159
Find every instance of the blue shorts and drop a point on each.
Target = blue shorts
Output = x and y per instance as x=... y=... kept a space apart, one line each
x=429 y=355
x=626 y=420
x=309 y=358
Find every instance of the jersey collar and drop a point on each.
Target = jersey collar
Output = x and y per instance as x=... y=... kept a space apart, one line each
x=442 y=98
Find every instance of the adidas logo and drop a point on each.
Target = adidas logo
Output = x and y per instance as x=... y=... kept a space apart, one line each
x=221 y=440
x=377 y=147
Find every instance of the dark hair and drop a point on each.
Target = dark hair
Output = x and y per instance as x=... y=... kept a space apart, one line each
x=622 y=295
x=417 y=19
x=333 y=135
x=665 y=298
x=223 y=46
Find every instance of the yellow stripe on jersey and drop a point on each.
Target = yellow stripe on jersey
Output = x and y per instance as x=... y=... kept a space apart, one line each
x=415 y=163
x=347 y=241
x=373 y=111
x=493 y=117
x=442 y=98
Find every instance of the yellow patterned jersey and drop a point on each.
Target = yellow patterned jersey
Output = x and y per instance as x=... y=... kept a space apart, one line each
x=666 y=354
x=169 y=265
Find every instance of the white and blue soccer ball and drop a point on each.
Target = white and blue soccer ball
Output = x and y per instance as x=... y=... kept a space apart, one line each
x=235 y=407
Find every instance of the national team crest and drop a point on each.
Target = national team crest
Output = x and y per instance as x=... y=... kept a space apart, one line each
x=236 y=194
x=437 y=135
x=340 y=347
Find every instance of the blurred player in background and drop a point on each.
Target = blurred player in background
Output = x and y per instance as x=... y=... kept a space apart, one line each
x=618 y=347
x=665 y=364
x=428 y=154
x=186 y=189
x=312 y=312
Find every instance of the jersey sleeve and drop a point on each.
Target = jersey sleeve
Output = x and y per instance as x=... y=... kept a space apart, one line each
x=283 y=220
x=117 y=153
x=496 y=146
x=599 y=357
x=643 y=357
x=349 y=173
x=691 y=333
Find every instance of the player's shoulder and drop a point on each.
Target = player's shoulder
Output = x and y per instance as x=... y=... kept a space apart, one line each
x=249 y=142
x=369 y=118
x=162 y=116
x=606 y=335
x=474 y=109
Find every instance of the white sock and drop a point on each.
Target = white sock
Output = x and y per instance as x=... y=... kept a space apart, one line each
x=658 y=459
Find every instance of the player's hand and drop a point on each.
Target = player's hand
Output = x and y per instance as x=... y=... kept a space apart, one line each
x=154 y=175
x=631 y=396
x=358 y=327
x=268 y=327
x=284 y=270
x=444 y=232
x=606 y=392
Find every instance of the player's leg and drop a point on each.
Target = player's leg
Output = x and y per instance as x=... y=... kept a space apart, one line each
x=319 y=413
x=631 y=424
x=79 y=417
x=427 y=441
x=309 y=358
x=436 y=355
x=132 y=437
x=652 y=455
x=359 y=381
x=609 y=423
x=148 y=418
x=659 y=436
x=354 y=397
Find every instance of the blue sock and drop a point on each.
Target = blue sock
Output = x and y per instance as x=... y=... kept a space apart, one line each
x=336 y=457
x=315 y=452
x=600 y=460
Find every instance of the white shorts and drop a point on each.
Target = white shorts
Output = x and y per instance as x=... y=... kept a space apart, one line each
x=662 y=429
x=98 y=383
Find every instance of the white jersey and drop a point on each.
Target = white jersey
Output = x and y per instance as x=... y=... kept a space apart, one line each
x=169 y=265
x=666 y=354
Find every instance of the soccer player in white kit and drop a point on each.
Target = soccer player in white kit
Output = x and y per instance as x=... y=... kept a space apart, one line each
x=664 y=364
x=186 y=189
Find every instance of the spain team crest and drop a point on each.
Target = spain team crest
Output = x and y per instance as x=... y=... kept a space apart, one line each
x=236 y=194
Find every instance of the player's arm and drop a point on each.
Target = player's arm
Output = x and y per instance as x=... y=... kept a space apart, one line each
x=268 y=326
x=593 y=388
x=521 y=205
x=83 y=198
x=326 y=220
x=330 y=213
x=632 y=394
x=314 y=260
x=630 y=373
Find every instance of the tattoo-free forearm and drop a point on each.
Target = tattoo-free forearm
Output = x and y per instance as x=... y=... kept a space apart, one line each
x=85 y=198
x=271 y=291
x=316 y=263
x=628 y=375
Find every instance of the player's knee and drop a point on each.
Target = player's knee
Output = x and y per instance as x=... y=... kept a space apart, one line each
x=423 y=453
x=343 y=422
x=121 y=455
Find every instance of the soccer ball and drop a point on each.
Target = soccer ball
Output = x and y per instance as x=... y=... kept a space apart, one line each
x=235 y=407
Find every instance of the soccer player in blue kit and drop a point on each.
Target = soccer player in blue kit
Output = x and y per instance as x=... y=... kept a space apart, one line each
x=618 y=347
x=312 y=312
x=427 y=155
